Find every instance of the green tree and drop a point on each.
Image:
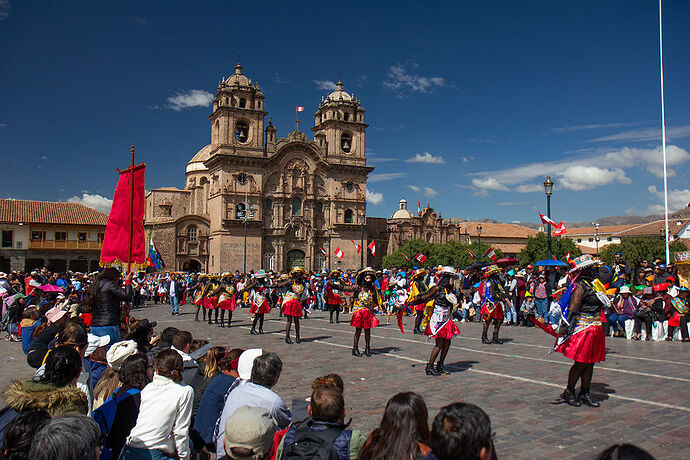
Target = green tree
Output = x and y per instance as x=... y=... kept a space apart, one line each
x=537 y=249
x=642 y=247
x=453 y=253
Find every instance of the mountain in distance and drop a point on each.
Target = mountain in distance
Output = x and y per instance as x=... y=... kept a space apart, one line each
x=683 y=213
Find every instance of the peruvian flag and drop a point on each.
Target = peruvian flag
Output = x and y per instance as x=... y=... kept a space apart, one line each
x=339 y=253
x=567 y=256
x=299 y=109
x=419 y=207
x=545 y=220
x=560 y=229
x=406 y=258
x=490 y=254
x=472 y=254
x=420 y=257
x=358 y=248
x=323 y=252
x=372 y=247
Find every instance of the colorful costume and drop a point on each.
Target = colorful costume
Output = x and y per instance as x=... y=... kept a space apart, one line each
x=333 y=299
x=493 y=297
x=292 y=303
x=441 y=324
x=368 y=299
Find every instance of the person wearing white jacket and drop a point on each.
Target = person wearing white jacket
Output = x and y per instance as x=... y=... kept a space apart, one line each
x=165 y=413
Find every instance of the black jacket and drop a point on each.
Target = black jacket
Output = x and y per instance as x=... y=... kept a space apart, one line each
x=106 y=308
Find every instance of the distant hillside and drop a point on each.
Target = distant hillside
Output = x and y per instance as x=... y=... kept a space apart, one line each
x=620 y=220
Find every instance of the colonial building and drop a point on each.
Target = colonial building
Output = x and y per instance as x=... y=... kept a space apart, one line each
x=58 y=236
x=283 y=199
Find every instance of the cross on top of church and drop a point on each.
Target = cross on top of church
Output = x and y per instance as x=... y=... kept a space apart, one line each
x=297 y=122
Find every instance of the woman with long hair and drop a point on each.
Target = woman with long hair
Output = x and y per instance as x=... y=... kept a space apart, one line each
x=103 y=300
x=403 y=433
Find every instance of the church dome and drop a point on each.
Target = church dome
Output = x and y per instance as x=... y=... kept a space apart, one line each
x=238 y=78
x=339 y=94
x=197 y=161
x=402 y=212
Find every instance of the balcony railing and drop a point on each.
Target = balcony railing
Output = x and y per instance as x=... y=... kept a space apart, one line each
x=64 y=244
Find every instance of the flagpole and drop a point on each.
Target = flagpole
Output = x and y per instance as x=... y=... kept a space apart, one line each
x=663 y=133
x=131 y=209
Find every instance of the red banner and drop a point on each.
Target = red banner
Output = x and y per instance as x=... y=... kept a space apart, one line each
x=126 y=222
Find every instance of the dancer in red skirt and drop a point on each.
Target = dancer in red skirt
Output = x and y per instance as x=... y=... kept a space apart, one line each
x=417 y=288
x=585 y=341
x=226 y=293
x=493 y=298
x=211 y=300
x=367 y=299
x=293 y=301
x=333 y=300
x=200 y=297
x=260 y=304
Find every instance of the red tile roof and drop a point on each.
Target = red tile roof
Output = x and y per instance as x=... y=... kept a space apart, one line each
x=603 y=230
x=48 y=212
x=497 y=230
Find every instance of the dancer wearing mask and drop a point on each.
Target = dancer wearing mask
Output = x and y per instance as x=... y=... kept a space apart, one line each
x=367 y=299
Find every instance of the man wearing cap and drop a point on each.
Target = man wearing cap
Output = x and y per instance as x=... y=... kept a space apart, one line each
x=625 y=306
x=248 y=434
x=660 y=274
x=95 y=352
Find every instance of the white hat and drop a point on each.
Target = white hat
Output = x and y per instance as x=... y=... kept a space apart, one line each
x=96 y=342
x=447 y=271
x=584 y=261
x=624 y=290
x=246 y=362
x=250 y=428
x=119 y=352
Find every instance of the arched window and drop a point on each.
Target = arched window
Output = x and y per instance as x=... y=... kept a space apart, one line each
x=239 y=211
x=296 y=206
x=319 y=207
x=349 y=216
x=241 y=131
x=269 y=204
x=243 y=103
x=346 y=142
x=191 y=234
x=347 y=116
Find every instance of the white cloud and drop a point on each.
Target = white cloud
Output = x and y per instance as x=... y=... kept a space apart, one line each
x=579 y=177
x=97 y=202
x=5 y=8
x=426 y=157
x=592 y=126
x=509 y=203
x=430 y=192
x=651 y=159
x=466 y=159
x=401 y=80
x=677 y=199
x=374 y=197
x=488 y=183
x=327 y=85
x=189 y=99
x=646 y=134
x=385 y=176
x=529 y=188
x=2 y=125
x=414 y=188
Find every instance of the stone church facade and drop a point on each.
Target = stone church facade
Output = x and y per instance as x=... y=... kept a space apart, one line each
x=290 y=196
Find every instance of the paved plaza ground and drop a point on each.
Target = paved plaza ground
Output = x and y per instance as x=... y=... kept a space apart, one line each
x=644 y=387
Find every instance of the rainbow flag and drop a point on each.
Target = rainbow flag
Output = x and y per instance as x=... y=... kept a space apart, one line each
x=154 y=258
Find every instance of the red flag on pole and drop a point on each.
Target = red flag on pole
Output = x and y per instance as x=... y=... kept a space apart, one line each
x=124 y=241
x=545 y=220
x=490 y=254
x=472 y=254
x=560 y=229
x=420 y=257
x=419 y=207
x=372 y=247
x=339 y=253
x=406 y=258
x=299 y=109
x=358 y=248
x=323 y=252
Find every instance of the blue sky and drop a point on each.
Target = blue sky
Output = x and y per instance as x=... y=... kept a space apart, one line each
x=470 y=104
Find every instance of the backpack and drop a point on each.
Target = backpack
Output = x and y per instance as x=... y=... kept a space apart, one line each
x=311 y=444
x=105 y=416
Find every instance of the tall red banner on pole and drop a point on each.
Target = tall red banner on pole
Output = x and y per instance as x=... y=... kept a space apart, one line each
x=124 y=242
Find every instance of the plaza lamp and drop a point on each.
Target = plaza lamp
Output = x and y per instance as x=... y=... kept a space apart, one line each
x=548 y=189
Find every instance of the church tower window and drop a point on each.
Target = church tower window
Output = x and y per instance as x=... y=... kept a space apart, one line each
x=243 y=103
x=269 y=204
x=191 y=234
x=347 y=116
x=296 y=206
x=239 y=211
x=346 y=142
x=349 y=216
x=241 y=131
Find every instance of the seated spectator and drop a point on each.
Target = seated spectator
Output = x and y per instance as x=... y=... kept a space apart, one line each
x=326 y=427
x=165 y=414
x=95 y=352
x=403 y=432
x=207 y=370
x=118 y=414
x=461 y=431
x=182 y=343
x=73 y=334
x=623 y=310
x=71 y=437
x=20 y=432
x=528 y=309
x=257 y=392
x=211 y=403
x=163 y=342
x=249 y=434
x=44 y=334
x=110 y=379
x=31 y=319
x=142 y=334
x=55 y=390
x=625 y=452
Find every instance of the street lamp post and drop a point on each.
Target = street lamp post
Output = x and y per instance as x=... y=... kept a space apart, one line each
x=329 y=249
x=479 y=243
x=548 y=188
x=248 y=212
x=596 y=235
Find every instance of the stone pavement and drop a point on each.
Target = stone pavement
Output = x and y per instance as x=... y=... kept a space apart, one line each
x=643 y=386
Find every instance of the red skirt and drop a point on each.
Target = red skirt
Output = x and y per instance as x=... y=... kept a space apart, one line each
x=448 y=331
x=364 y=319
x=497 y=312
x=210 y=302
x=292 y=307
x=586 y=346
x=420 y=307
x=201 y=302
x=260 y=309
x=228 y=304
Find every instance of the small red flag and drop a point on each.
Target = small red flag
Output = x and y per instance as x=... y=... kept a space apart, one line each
x=419 y=207
x=372 y=247
x=472 y=255
x=420 y=257
x=491 y=254
x=323 y=252
x=358 y=248
x=406 y=258
x=299 y=109
x=545 y=220
x=339 y=253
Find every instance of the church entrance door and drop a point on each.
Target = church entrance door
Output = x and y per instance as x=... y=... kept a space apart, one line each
x=295 y=258
x=192 y=266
